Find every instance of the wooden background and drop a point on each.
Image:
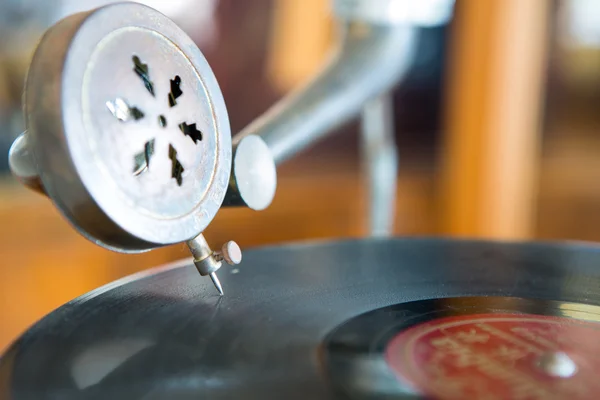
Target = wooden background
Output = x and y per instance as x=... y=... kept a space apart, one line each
x=446 y=130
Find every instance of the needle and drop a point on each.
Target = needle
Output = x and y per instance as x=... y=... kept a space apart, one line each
x=207 y=262
x=216 y=282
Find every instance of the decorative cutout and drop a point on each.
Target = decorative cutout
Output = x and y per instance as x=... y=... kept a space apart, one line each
x=175 y=91
x=122 y=111
x=191 y=131
x=176 y=167
x=136 y=113
x=142 y=70
x=142 y=160
x=162 y=121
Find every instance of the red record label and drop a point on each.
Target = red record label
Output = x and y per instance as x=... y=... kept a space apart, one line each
x=499 y=356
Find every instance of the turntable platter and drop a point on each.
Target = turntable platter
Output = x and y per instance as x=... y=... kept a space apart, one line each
x=314 y=321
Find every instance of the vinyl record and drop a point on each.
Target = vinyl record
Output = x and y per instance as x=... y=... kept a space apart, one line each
x=469 y=348
x=352 y=319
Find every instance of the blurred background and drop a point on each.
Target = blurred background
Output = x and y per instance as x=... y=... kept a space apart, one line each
x=497 y=127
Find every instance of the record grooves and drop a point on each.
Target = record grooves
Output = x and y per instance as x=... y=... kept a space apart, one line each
x=319 y=321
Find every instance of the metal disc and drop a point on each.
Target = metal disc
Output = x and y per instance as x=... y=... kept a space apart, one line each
x=128 y=127
x=167 y=334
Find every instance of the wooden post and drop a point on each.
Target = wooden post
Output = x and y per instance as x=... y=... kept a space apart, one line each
x=490 y=154
x=300 y=39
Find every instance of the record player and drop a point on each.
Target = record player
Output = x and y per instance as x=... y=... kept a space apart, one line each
x=128 y=136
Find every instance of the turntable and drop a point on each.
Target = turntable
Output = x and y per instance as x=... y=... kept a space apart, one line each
x=128 y=136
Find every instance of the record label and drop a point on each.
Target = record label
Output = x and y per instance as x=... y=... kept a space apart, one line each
x=498 y=356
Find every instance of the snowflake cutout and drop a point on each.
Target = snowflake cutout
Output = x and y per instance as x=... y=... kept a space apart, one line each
x=125 y=112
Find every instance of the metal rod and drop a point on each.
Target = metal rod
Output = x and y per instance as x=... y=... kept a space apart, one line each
x=370 y=61
x=380 y=164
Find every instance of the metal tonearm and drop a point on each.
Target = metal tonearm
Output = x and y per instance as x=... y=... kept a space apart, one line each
x=376 y=49
x=148 y=160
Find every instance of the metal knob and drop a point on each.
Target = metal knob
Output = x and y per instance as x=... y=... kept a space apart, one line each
x=22 y=164
x=254 y=176
x=230 y=253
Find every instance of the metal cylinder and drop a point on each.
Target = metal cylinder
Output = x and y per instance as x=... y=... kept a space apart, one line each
x=422 y=12
x=204 y=261
x=370 y=60
x=376 y=50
